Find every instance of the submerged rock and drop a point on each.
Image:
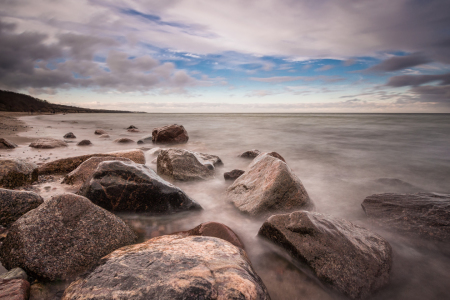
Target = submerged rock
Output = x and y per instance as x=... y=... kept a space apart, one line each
x=214 y=229
x=5 y=144
x=66 y=165
x=170 y=134
x=268 y=185
x=14 y=289
x=185 y=165
x=126 y=186
x=145 y=139
x=233 y=175
x=48 y=143
x=104 y=136
x=349 y=258
x=132 y=127
x=87 y=168
x=172 y=267
x=70 y=135
x=425 y=215
x=63 y=237
x=17 y=172
x=13 y=204
x=250 y=154
x=133 y=130
x=84 y=143
x=124 y=141
x=100 y=132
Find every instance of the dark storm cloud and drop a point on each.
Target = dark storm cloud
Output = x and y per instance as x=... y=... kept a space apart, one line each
x=397 y=63
x=429 y=93
x=416 y=80
x=84 y=46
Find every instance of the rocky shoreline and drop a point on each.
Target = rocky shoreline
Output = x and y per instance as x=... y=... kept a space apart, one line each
x=74 y=245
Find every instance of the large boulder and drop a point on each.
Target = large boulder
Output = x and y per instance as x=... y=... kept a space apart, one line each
x=66 y=165
x=17 y=172
x=5 y=144
x=13 y=204
x=87 y=168
x=63 y=237
x=172 y=267
x=349 y=258
x=425 y=215
x=184 y=165
x=14 y=289
x=268 y=185
x=126 y=186
x=48 y=143
x=170 y=134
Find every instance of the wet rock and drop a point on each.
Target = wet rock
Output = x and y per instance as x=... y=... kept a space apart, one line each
x=100 y=132
x=276 y=155
x=5 y=144
x=104 y=136
x=66 y=165
x=347 y=257
x=145 y=139
x=17 y=172
x=63 y=237
x=250 y=154
x=233 y=175
x=268 y=185
x=84 y=143
x=87 y=168
x=13 y=204
x=121 y=186
x=214 y=229
x=48 y=143
x=185 y=165
x=16 y=273
x=132 y=127
x=170 y=134
x=172 y=267
x=70 y=135
x=425 y=215
x=124 y=141
x=15 y=289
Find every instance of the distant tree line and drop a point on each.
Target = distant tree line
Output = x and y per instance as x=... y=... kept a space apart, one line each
x=16 y=102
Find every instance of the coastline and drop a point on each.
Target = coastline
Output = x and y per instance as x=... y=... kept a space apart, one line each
x=11 y=126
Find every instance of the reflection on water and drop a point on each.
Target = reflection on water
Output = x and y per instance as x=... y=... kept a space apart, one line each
x=339 y=158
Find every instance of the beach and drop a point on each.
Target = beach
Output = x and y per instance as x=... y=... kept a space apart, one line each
x=340 y=159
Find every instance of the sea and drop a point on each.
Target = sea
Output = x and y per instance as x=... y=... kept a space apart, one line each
x=340 y=159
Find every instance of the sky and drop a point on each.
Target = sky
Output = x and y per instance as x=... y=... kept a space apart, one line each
x=269 y=56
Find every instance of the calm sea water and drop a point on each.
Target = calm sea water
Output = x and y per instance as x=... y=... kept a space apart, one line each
x=338 y=157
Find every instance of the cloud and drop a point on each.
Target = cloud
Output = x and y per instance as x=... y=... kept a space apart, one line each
x=428 y=93
x=84 y=46
x=280 y=79
x=324 y=68
x=416 y=80
x=397 y=63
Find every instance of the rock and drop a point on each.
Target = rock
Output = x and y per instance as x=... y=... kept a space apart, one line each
x=70 y=135
x=214 y=229
x=425 y=215
x=126 y=186
x=133 y=130
x=268 y=185
x=276 y=155
x=104 y=136
x=16 y=273
x=349 y=258
x=233 y=175
x=100 y=132
x=5 y=144
x=15 y=289
x=48 y=143
x=17 y=172
x=170 y=134
x=145 y=139
x=13 y=204
x=172 y=267
x=250 y=154
x=66 y=165
x=84 y=143
x=87 y=168
x=48 y=290
x=62 y=238
x=132 y=127
x=185 y=165
x=124 y=141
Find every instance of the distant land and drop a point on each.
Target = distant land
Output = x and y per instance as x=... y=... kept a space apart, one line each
x=16 y=102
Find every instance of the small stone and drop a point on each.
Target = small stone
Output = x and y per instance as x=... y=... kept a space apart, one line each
x=250 y=154
x=124 y=141
x=100 y=132
x=84 y=143
x=170 y=134
x=48 y=143
x=233 y=175
x=5 y=144
x=104 y=136
x=132 y=127
x=70 y=135
x=16 y=273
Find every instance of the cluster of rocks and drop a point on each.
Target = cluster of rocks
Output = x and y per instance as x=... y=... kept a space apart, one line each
x=76 y=238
